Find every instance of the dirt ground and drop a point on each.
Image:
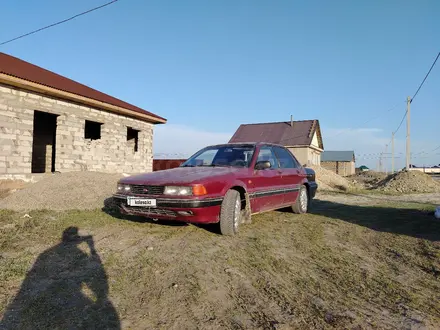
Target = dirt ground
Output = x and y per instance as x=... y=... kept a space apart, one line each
x=354 y=262
x=8 y=187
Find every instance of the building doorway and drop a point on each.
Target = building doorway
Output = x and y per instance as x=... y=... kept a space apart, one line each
x=44 y=142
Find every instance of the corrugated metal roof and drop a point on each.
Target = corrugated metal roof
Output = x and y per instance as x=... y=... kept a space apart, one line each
x=337 y=156
x=301 y=134
x=15 y=67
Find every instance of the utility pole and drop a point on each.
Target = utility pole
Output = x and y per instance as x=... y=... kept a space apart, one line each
x=392 y=153
x=386 y=153
x=380 y=162
x=408 y=119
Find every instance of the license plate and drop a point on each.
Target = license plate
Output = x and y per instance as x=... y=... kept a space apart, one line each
x=132 y=201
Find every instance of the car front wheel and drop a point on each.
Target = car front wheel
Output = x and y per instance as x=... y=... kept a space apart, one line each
x=230 y=213
x=302 y=201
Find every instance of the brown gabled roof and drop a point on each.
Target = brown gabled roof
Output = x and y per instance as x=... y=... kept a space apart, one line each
x=301 y=134
x=17 y=68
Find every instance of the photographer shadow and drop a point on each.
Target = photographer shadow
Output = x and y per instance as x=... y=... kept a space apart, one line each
x=67 y=288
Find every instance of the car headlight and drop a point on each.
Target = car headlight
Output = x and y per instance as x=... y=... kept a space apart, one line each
x=178 y=191
x=123 y=188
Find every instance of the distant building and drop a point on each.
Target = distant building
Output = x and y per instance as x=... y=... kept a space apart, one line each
x=303 y=138
x=340 y=162
x=363 y=168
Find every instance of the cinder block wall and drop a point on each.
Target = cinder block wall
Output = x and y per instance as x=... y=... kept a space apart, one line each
x=331 y=166
x=111 y=153
x=341 y=168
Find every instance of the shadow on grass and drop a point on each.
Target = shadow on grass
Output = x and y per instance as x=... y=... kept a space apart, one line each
x=66 y=288
x=403 y=221
x=112 y=210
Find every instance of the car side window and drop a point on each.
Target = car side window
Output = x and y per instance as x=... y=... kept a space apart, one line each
x=266 y=154
x=285 y=158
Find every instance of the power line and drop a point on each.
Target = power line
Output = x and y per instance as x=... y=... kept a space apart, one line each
x=401 y=122
x=435 y=149
x=58 y=23
x=365 y=123
x=418 y=89
x=406 y=112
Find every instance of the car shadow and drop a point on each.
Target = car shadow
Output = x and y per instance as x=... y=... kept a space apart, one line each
x=111 y=210
x=403 y=221
x=66 y=288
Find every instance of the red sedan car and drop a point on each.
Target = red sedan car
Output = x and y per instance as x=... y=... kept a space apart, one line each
x=223 y=184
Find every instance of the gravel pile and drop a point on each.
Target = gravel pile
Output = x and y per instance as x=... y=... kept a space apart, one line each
x=409 y=182
x=64 y=191
x=328 y=180
x=369 y=179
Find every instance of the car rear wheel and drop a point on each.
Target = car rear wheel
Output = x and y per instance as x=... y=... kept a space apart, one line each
x=302 y=201
x=230 y=213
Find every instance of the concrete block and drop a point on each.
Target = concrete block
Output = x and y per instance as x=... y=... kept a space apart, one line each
x=27 y=122
x=9 y=97
x=8 y=113
x=45 y=104
x=25 y=140
x=5 y=89
x=27 y=100
x=34 y=96
x=28 y=112
x=7 y=136
x=24 y=149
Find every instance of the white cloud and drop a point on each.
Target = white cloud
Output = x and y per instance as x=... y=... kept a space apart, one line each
x=175 y=141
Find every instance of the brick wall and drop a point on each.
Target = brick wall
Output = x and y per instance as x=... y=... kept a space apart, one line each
x=73 y=152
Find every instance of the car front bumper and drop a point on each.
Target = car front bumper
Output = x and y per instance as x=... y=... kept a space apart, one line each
x=186 y=210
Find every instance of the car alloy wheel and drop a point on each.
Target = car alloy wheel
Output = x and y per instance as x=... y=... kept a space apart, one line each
x=303 y=200
x=237 y=212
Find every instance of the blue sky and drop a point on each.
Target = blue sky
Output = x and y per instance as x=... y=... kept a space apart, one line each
x=208 y=66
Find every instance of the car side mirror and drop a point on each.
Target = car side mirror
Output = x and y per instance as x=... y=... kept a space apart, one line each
x=262 y=165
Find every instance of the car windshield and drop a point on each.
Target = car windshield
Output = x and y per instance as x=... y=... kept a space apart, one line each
x=236 y=156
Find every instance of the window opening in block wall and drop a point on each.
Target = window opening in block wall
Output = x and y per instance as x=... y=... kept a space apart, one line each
x=133 y=138
x=92 y=130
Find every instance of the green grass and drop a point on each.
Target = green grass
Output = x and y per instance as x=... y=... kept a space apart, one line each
x=340 y=266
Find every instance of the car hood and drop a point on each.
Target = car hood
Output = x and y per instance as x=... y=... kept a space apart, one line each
x=181 y=175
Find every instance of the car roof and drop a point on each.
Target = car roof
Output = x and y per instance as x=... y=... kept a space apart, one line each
x=245 y=143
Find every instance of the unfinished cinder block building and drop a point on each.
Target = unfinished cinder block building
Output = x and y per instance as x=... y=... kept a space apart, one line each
x=50 y=123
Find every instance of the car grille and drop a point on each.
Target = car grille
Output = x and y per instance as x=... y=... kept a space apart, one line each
x=150 y=211
x=146 y=190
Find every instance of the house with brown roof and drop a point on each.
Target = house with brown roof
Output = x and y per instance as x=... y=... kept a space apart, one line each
x=49 y=123
x=303 y=138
